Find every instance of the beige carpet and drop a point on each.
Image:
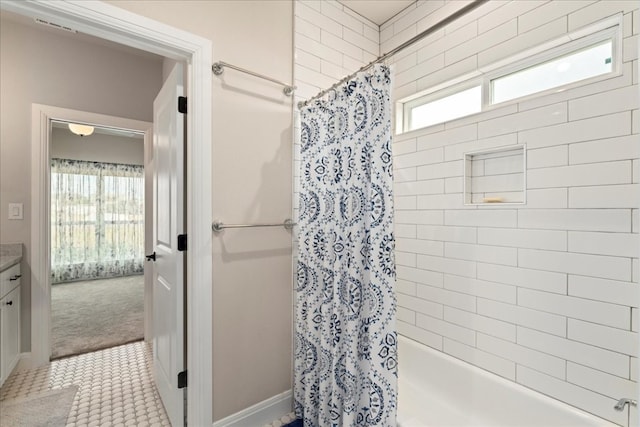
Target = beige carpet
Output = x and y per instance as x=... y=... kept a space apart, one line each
x=47 y=409
x=96 y=314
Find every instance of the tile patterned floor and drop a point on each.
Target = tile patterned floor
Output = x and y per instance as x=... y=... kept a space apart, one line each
x=283 y=421
x=115 y=387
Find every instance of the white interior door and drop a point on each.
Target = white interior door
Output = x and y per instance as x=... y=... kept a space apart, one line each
x=168 y=223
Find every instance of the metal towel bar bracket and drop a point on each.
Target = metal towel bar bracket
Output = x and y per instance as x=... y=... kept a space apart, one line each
x=218 y=69
x=624 y=402
x=218 y=226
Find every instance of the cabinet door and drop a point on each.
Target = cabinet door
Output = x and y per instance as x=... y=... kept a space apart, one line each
x=5 y=284
x=2 y=375
x=9 y=279
x=10 y=338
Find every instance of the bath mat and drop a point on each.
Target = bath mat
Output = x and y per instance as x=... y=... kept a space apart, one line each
x=47 y=409
x=296 y=423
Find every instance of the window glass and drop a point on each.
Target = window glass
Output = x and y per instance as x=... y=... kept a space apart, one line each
x=592 y=61
x=450 y=107
x=592 y=55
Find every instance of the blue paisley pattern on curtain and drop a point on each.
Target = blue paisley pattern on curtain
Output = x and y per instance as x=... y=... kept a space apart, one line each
x=97 y=220
x=345 y=337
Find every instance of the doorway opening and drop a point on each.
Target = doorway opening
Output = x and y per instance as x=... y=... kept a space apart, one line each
x=97 y=227
x=115 y=24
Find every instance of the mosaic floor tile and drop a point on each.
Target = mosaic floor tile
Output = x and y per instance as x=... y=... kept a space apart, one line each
x=282 y=421
x=115 y=386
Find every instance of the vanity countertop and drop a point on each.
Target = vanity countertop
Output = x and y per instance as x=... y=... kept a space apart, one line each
x=10 y=255
x=7 y=261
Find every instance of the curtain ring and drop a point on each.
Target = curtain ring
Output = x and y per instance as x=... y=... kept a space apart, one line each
x=332 y=95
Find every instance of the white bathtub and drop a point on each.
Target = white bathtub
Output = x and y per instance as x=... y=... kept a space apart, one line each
x=436 y=389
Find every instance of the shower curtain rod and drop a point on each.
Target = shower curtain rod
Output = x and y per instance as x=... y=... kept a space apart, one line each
x=218 y=69
x=432 y=29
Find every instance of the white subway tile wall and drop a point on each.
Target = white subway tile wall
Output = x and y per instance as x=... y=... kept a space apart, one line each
x=546 y=293
x=331 y=41
x=553 y=280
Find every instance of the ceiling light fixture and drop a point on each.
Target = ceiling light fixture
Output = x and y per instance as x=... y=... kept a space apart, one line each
x=82 y=130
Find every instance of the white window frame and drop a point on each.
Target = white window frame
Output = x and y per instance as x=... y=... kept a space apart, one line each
x=573 y=46
x=607 y=29
x=436 y=96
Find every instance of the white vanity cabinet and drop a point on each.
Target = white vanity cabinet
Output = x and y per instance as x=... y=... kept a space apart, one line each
x=9 y=320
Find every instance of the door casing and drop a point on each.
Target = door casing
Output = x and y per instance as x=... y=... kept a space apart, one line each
x=118 y=25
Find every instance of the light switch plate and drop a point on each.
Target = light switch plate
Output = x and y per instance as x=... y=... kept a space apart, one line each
x=15 y=211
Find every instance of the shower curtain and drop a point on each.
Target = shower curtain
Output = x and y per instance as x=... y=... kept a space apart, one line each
x=345 y=337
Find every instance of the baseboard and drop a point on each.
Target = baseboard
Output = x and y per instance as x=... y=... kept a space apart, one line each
x=22 y=362
x=261 y=413
x=25 y=361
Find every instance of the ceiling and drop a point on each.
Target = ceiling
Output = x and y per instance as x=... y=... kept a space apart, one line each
x=124 y=133
x=378 y=11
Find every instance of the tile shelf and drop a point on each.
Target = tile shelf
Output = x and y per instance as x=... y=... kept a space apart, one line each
x=495 y=176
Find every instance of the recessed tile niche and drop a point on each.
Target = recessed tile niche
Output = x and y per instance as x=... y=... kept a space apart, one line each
x=495 y=176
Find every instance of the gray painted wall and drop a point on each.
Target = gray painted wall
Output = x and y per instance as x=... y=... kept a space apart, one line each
x=64 y=70
x=97 y=147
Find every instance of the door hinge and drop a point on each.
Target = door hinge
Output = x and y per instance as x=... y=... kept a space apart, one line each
x=182 y=104
x=182 y=379
x=182 y=242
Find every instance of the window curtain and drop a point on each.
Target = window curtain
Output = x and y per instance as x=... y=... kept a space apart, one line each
x=97 y=220
x=345 y=365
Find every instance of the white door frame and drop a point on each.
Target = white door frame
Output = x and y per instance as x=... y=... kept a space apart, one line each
x=118 y=25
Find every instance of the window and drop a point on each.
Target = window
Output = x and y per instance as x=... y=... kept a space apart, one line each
x=589 y=62
x=97 y=220
x=422 y=112
x=592 y=53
